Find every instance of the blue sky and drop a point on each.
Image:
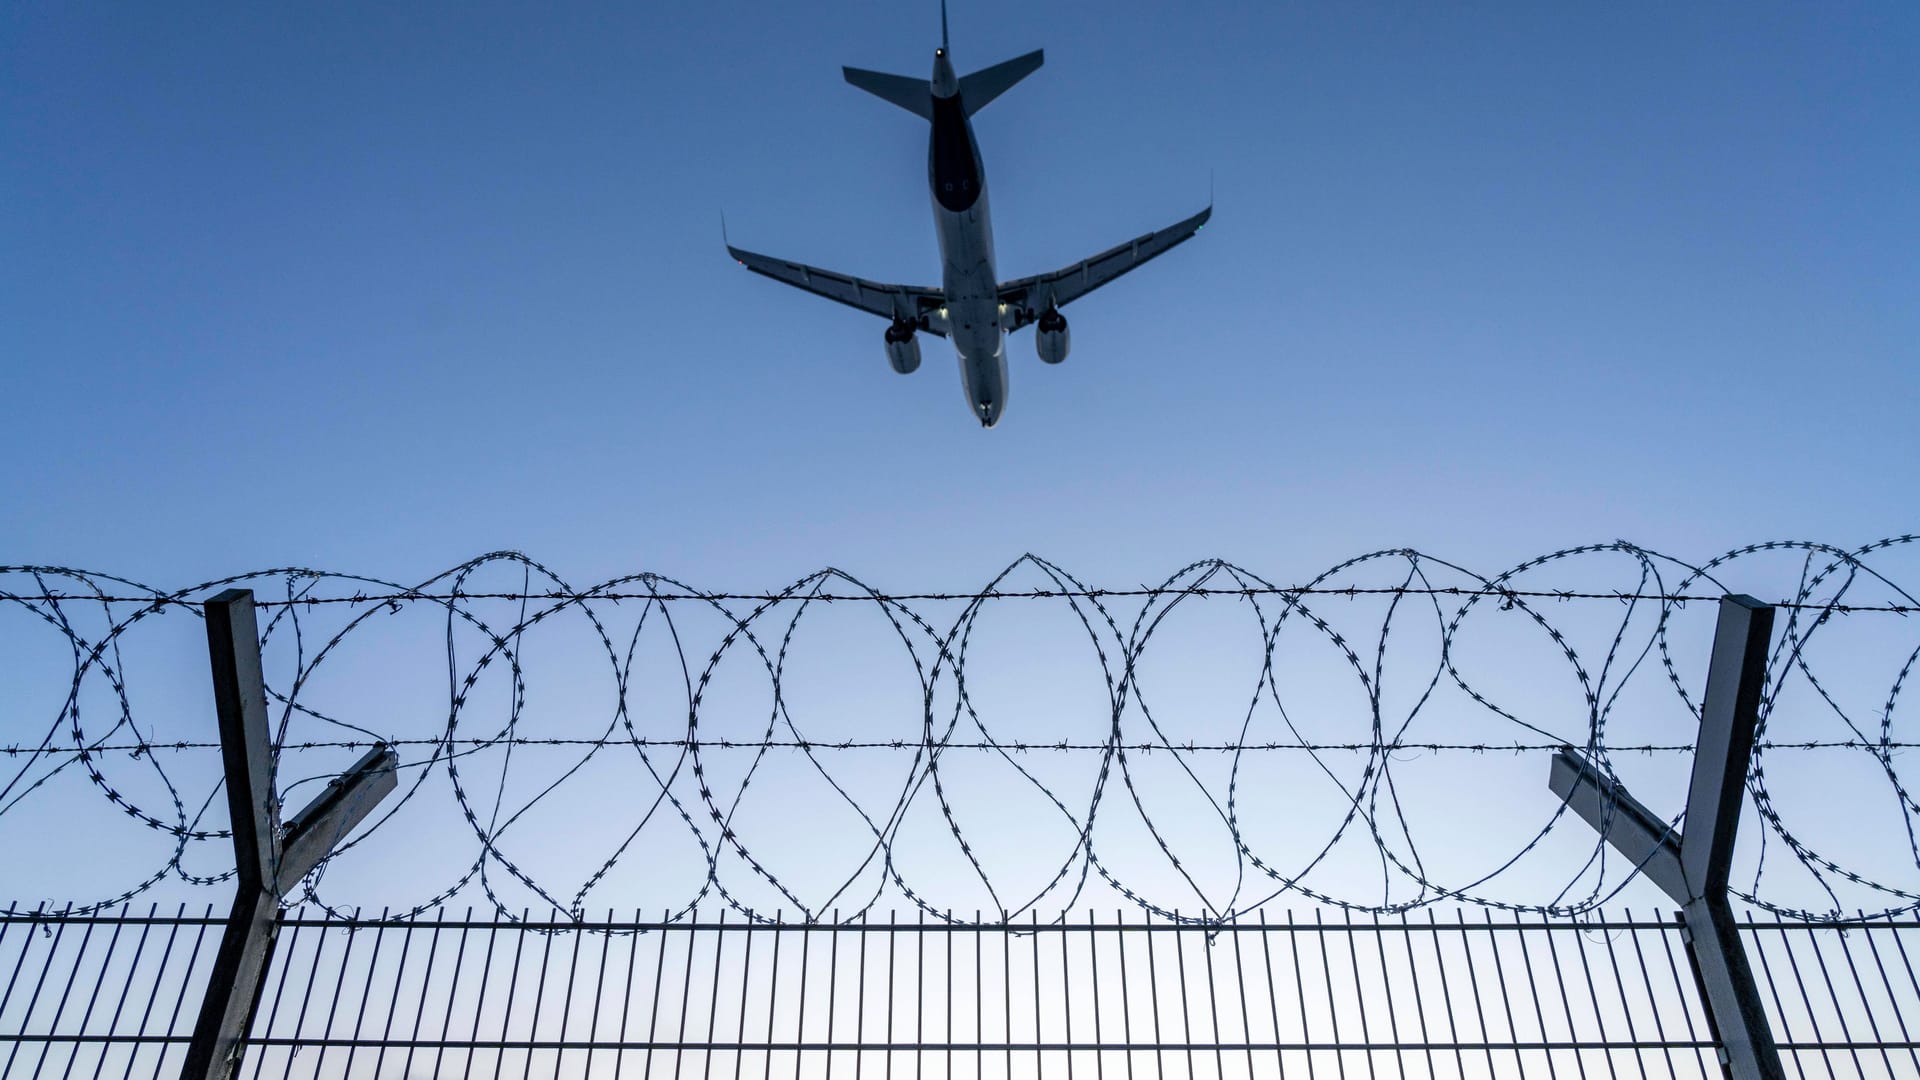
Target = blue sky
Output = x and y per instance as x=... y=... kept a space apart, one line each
x=379 y=288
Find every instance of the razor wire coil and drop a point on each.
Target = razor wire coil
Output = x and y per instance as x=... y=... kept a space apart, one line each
x=677 y=765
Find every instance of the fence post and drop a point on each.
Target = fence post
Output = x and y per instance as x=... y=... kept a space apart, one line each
x=1692 y=867
x=269 y=859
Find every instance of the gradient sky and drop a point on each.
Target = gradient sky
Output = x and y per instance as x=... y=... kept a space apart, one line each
x=382 y=287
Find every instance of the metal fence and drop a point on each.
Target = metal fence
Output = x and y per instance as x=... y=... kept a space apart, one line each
x=1476 y=994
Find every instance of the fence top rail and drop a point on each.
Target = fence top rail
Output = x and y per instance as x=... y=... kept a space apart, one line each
x=1091 y=922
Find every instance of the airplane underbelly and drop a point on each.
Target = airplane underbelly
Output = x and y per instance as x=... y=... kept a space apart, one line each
x=966 y=252
x=973 y=306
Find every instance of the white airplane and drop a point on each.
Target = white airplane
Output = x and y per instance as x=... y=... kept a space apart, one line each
x=973 y=308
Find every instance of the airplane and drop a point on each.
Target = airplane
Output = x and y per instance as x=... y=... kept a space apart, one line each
x=973 y=308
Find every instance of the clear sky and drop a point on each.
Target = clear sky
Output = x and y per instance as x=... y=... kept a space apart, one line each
x=381 y=287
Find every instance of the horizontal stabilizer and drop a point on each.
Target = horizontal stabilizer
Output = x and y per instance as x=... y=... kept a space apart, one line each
x=913 y=95
x=977 y=89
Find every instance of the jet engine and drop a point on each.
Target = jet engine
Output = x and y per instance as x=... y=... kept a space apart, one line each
x=903 y=350
x=1050 y=336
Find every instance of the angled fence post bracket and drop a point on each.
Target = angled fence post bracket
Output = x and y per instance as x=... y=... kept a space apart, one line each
x=1692 y=866
x=269 y=859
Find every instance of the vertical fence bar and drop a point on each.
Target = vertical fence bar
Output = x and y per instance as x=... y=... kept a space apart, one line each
x=800 y=1015
x=948 y=1002
x=686 y=998
x=1473 y=984
x=1093 y=965
x=1419 y=999
x=1333 y=1013
x=1153 y=998
x=399 y=975
x=1360 y=993
x=1066 y=995
x=1177 y=930
x=1386 y=994
x=1533 y=989
x=1273 y=993
x=1039 y=1037
x=740 y=1027
x=453 y=989
x=1300 y=994
x=979 y=998
x=1126 y=995
x=886 y=1055
x=1240 y=980
x=1446 y=991
x=626 y=996
x=1506 y=996
x=1207 y=942
x=366 y=993
x=860 y=1001
x=920 y=986
x=833 y=987
x=713 y=999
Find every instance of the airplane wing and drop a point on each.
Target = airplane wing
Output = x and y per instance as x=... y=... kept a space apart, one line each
x=909 y=302
x=1033 y=294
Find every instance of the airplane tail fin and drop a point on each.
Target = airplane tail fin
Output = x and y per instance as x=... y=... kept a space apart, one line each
x=913 y=95
x=981 y=87
x=976 y=90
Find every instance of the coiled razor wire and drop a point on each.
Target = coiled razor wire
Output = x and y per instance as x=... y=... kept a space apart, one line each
x=1151 y=859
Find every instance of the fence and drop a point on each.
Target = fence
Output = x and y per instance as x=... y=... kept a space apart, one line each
x=1472 y=994
x=1384 y=994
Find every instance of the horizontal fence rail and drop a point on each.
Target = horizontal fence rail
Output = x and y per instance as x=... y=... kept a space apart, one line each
x=1469 y=994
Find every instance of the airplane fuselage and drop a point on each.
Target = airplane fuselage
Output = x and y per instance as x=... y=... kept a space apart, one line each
x=965 y=228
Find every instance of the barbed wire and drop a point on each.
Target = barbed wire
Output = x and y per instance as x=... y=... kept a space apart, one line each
x=1142 y=592
x=830 y=835
x=136 y=749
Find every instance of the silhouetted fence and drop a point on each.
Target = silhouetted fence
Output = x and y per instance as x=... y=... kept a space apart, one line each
x=1472 y=994
x=1534 y=979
